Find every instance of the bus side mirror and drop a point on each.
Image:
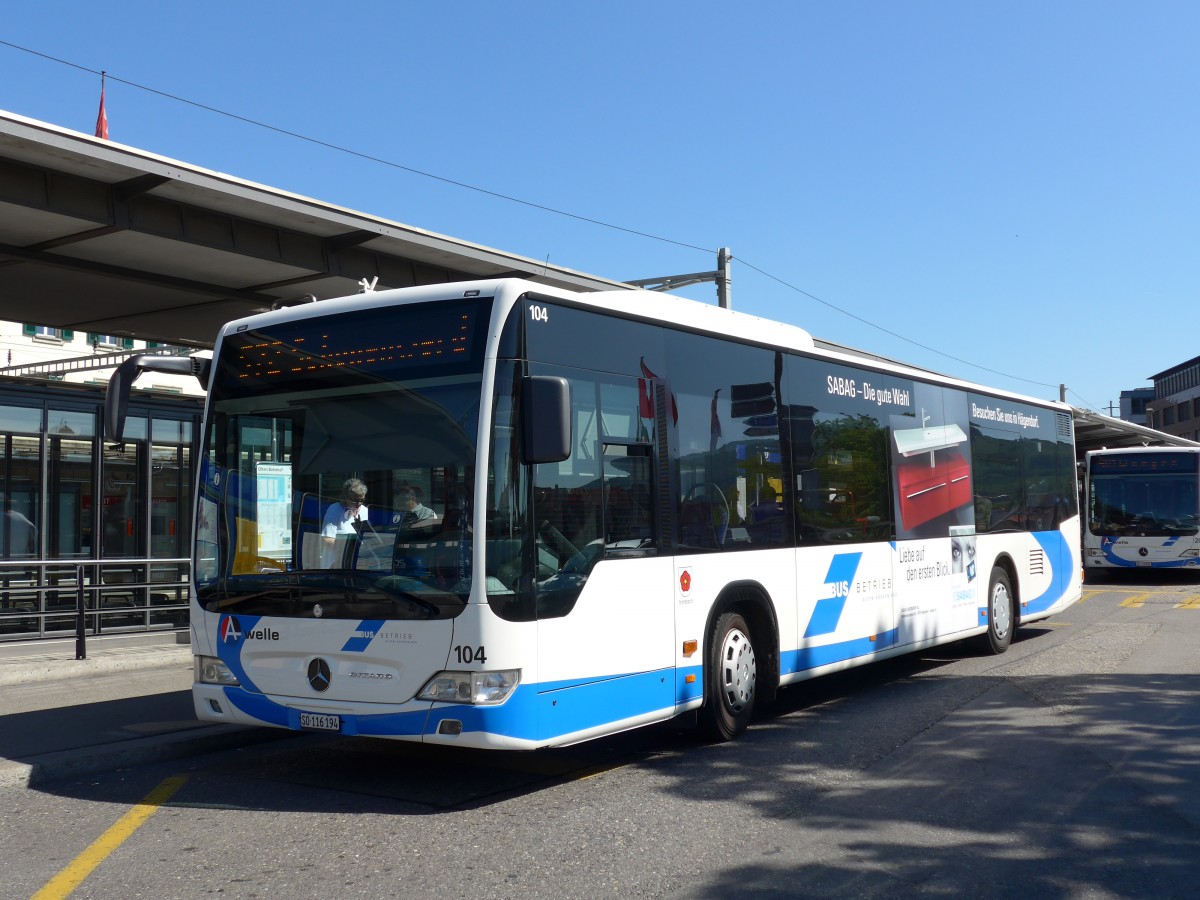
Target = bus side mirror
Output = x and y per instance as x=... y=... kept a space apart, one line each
x=546 y=412
x=116 y=399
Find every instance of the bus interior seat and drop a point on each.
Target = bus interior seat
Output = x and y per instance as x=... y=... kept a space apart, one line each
x=696 y=525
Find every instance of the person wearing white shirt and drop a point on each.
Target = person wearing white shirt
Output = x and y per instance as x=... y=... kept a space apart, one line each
x=341 y=521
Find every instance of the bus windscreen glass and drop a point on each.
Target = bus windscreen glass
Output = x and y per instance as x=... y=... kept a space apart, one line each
x=339 y=461
x=1144 y=494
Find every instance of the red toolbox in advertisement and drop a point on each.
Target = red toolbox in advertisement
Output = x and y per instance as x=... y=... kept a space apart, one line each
x=928 y=491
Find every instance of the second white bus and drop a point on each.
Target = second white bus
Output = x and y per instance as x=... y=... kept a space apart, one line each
x=1143 y=508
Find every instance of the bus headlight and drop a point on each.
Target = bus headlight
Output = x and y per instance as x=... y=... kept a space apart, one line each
x=481 y=688
x=1190 y=552
x=210 y=670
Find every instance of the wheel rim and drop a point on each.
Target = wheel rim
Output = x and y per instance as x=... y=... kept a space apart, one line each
x=738 y=670
x=1001 y=611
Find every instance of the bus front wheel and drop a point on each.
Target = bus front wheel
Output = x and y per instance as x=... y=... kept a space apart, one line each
x=731 y=675
x=1002 y=618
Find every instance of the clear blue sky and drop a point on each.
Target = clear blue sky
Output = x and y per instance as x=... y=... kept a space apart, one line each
x=1013 y=184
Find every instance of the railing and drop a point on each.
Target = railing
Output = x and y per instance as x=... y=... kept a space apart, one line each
x=45 y=598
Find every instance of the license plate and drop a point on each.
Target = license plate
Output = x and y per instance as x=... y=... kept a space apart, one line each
x=1144 y=565
x=320 y=722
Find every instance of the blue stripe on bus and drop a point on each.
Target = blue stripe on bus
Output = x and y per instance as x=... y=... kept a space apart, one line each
x=379 y=725
x=685 y=691
x=566 y=709
x=533 y=713
x=827 y=612
x=801 y=660
x=548 y=711
x=231 y=631
x=1058 y=553
x=1107 y=546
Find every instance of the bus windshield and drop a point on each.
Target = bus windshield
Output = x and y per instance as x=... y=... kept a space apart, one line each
x=1150 y=495
x=339 y=461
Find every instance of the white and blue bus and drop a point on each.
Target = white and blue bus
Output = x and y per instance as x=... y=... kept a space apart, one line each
x=635 y=507
x=1143 y=508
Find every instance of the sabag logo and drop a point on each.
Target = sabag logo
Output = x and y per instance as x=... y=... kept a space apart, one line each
x=229 y=630
x=828 y=611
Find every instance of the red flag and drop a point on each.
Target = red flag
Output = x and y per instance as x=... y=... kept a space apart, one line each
x=714 y=427
x=102 y=116
x=646 y=395
x=646 y=392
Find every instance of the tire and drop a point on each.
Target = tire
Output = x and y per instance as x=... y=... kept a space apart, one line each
x=1002 y=613
x=730 y=679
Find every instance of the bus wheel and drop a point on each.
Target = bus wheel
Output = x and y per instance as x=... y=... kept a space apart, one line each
x=731 y=675
x=1001 y=618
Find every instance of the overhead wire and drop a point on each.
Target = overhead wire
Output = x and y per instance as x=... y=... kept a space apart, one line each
x=509 y=198
x=879 y=327
x=1087 y=404
x=357 y=153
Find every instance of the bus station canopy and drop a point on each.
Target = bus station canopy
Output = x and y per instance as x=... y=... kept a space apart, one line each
x=101 y=237
x=110 y=239
x=1094 y=431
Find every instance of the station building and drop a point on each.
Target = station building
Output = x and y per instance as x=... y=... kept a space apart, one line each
x=1175 y=408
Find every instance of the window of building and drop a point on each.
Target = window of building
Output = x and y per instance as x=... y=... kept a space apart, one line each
x=109 y=342
x=21 y=418
x=45 y=333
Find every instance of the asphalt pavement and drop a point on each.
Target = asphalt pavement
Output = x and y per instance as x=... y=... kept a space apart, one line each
x=127 y=703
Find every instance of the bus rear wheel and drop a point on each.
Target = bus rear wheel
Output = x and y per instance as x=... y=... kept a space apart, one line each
x=1002 y=619
x=732 y=675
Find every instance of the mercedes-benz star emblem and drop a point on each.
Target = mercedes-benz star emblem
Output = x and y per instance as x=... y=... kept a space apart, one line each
x=318 y=675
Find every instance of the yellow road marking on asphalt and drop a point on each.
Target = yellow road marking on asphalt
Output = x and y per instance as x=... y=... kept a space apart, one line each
x=1194 y=603
x=62 y=884
x=1136 y=601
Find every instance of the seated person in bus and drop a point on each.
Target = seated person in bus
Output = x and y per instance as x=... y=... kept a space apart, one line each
x=342 y=520
x=415 y=511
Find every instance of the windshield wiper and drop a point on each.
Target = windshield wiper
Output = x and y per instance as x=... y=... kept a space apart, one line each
x=393 y=587
x=275 y=593
x=335 y=588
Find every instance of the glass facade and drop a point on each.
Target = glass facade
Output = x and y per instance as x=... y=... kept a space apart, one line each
x=84 y=518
